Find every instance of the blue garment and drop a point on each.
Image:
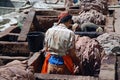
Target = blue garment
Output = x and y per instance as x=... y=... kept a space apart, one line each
x=56 y=60
x=75 y=1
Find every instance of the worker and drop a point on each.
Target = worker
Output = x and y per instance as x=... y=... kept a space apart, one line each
x=70 y=3
x=75 y=1
x=60 y=48
x=91 y=27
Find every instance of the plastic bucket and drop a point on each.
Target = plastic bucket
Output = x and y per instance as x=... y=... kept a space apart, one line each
x=35 y=41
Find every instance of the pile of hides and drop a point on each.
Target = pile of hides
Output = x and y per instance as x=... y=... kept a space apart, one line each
x=98 y=5
x=16 y=70
x=109 y=41
x=92 y=16
x=90 y=54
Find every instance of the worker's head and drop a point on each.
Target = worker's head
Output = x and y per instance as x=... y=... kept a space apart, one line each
x=65 y=18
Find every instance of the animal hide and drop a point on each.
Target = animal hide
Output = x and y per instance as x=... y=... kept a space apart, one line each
x=98 y=5
x=92 y=16
x=15 y=70
x=90 y=54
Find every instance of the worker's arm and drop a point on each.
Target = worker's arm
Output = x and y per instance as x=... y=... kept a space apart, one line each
x=75 y=60
x=71 y=50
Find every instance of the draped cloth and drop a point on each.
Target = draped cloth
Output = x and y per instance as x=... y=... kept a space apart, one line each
x=67 y=61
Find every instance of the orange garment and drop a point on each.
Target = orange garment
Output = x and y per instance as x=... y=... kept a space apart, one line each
x=45 y=65
x=67 y=61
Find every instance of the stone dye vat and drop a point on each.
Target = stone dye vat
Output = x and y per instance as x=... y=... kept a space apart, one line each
x=7 y=6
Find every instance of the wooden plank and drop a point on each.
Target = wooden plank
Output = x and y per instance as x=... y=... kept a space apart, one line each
x=11 y=43
x=7 y=31
x=13 y=58
x=37 y=61
x=33 y=58
x=118 y=68
x=109 y=24
x=14 y=48
x=13 y=34
x=117 y=20
x=114 y=6
x=26 y=26
x=107 y=70
x=63 y=77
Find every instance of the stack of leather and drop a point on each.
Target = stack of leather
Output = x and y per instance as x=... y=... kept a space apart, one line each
x=90 y=54
x=16 y=70
x=92 y=16
x=98 y=5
